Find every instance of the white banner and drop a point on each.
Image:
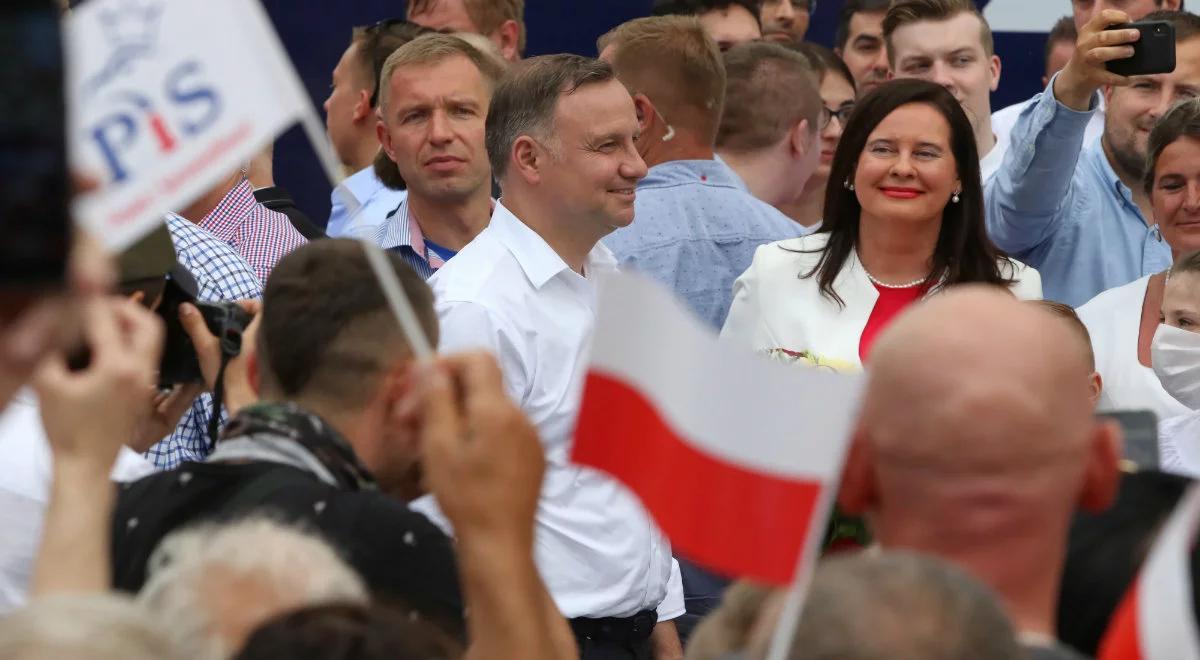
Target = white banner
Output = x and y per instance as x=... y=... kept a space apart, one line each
x=167 y=97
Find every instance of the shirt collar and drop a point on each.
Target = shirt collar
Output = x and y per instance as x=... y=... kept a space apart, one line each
x=1096 y=151
x=227 y=216
x=711 y=172
x=539 y=261
x=363 y=183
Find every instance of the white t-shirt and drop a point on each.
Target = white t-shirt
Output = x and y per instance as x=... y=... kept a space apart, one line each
x=989 y=164
x=26 y=472
x=1113 y=318
x=1179 y=445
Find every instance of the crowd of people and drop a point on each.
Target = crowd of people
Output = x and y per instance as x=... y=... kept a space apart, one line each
x=309 y=485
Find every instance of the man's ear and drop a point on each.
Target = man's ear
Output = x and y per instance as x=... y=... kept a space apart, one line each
x=859 y=492
x=802 y=139
x=528 y=159
x=507 y=38
x=1102 y=476
x=1108 y=91
x=646 y=116
x=1096 y=388
x=385 y=138
x=995 y=71
x=362 y=107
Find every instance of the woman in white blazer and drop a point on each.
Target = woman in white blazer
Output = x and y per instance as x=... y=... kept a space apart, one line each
x=903 y=220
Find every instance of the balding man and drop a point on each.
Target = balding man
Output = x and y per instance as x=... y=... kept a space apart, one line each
x=977 y=443
x=697 y=223
x=773 y=112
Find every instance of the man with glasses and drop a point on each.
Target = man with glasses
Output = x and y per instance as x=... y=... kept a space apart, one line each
x=949 y=42
x=786 y=20
x=363 y=199
x=769 y=132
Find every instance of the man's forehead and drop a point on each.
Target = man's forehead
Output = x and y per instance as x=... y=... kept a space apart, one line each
x=444 y=14
x=962 y=31
x=598 y=108
x=867 y=23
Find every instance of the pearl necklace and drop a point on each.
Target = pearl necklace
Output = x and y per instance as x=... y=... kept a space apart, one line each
x=906 y=285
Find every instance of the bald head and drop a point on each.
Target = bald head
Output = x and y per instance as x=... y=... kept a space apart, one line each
x=977 y=443
x=974 y=379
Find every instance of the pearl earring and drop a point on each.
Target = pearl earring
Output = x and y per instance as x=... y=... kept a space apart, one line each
x=954 y=197
x=847 y=185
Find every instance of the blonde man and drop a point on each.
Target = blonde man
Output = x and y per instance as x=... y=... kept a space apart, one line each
x=433 y=102
x=502 y=21
x=949 y=42
x=697 y=223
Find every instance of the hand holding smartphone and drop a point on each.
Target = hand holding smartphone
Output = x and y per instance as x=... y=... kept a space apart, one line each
x=1153 y=52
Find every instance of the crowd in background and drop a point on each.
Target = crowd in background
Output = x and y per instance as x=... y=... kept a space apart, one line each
x=1003 y=278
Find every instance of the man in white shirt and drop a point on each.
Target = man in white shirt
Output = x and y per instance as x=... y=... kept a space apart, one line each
x=560 y=137
x=949 y=42
x=350 y=122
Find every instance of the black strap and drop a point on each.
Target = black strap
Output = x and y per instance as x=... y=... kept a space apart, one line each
x=214 y=420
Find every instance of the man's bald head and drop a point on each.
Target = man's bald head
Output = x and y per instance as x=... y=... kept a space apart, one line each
x=975 y=409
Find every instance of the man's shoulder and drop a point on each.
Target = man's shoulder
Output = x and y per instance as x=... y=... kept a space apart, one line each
x=480 y=273
x=217 y=267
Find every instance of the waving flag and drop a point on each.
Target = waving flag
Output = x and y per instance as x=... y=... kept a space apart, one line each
x=168 y=97
x=735 y=456
x=1157 y=620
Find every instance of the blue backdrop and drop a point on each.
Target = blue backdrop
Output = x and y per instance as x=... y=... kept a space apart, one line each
x=316 y=33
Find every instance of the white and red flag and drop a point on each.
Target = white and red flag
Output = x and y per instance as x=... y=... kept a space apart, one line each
x=735 y=456
x=1157 y=620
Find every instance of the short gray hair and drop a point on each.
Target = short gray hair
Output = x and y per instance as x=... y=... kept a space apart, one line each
x=287 y=568
x=97 y=626
x=433 y=49
x=525 y=100
x=901 y=605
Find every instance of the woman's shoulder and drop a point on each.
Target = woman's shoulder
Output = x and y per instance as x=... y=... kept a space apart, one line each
x=791 y=253
x=1118 y=296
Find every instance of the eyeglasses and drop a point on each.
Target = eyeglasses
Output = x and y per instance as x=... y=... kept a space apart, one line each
x=828 y=114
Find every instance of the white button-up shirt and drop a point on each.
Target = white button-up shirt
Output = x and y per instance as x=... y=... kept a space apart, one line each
x=510 y=293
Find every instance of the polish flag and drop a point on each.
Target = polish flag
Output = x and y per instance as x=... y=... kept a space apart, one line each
x=735 y=456
x=1156 y=621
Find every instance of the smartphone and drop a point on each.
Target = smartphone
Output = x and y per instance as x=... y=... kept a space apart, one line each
x=1140 y=428
x=34 y=182
x=1153 y=52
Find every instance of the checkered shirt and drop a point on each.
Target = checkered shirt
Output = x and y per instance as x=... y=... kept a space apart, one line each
x=260 y=235
x=221 y=275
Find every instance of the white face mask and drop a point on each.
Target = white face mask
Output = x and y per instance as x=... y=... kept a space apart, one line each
x=1175 y=354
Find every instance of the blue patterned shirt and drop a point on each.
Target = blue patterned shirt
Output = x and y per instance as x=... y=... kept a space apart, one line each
x=221 y=275
x=695 y=228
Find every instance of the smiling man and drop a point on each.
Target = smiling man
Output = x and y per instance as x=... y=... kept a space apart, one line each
x=560 y=135
x=434 y=95
x=1078 y=212
x=949 y=42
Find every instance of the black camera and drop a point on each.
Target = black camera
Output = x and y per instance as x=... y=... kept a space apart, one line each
x=225 y=320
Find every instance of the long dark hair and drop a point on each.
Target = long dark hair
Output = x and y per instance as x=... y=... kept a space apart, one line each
x=964 y=253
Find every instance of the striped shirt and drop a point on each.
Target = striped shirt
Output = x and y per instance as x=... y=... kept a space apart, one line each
x=401 y=233
x=260 y=235
x=221 y=275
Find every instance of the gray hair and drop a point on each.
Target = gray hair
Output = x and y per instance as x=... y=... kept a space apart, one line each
x=901 y=605
x=96 y=626
x=197 y=575
x=1182 y=120
x=525 y=100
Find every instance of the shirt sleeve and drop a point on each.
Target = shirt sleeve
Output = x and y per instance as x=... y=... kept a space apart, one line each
x=672 y=606
x=469 y=326
x=1028 y=198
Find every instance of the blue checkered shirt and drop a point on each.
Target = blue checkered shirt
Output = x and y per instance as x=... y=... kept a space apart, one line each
x=221 y=275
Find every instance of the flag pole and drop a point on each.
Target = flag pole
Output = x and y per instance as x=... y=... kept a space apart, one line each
x=399 y=303
x=793 y=608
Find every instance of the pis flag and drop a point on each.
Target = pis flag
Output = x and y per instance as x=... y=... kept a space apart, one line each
x=737 y=457
x=165 y=99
